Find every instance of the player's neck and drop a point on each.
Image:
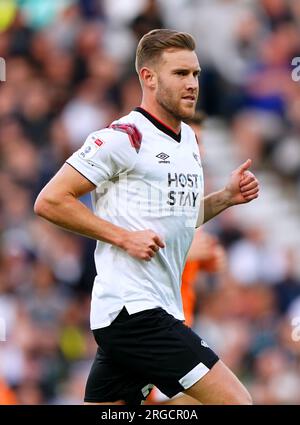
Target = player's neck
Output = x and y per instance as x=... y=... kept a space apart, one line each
x=162 y=115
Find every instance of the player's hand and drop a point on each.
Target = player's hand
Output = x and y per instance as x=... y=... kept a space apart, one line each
x=142 y=244
x=243 y=186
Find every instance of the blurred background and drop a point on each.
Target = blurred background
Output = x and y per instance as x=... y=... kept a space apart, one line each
x=69 y=71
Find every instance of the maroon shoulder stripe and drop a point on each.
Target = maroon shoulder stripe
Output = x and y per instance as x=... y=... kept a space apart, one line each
x=135 y=136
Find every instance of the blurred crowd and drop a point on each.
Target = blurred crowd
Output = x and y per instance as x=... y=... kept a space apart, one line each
x=70 y=71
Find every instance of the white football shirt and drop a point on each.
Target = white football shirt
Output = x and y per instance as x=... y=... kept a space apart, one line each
x=146 y=177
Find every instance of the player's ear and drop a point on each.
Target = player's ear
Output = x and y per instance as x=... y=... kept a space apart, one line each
x=148 y=77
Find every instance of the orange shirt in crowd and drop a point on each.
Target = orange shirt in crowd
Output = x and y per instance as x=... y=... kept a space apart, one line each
x=7 y=396
x=206 y=255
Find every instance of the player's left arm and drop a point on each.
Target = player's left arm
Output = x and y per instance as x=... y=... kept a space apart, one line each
x=241 y=188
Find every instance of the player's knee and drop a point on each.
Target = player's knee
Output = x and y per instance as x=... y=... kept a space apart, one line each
x=241 y=398
x=249 y=400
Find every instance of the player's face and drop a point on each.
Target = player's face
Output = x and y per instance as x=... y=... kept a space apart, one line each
x=177 y=82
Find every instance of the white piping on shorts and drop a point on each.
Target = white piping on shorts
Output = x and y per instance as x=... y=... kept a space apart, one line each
x=193 y=375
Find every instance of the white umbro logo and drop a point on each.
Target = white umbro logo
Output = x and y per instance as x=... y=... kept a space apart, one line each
x=204 y=344
x=163 y=156
x=146 y=389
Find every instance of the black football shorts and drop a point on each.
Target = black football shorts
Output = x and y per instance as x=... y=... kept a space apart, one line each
x=137 y=351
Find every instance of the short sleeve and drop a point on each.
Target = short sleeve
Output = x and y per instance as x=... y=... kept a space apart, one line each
x=104 y=155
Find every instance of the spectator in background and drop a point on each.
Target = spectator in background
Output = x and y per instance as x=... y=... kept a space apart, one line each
x=205 y=254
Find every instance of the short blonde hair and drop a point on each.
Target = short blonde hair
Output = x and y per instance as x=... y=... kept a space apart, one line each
x=152 y=45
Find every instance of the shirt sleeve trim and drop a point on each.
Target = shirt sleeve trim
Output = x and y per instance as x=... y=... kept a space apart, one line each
x=94 y=182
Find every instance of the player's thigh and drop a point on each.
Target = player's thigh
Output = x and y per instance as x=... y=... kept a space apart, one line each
x=111 y=383
x=219 y=386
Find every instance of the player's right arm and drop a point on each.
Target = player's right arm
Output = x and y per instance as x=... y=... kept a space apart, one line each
x=59 y=203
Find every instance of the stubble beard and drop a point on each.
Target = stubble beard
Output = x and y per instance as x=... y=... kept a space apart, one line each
x=172 y=106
